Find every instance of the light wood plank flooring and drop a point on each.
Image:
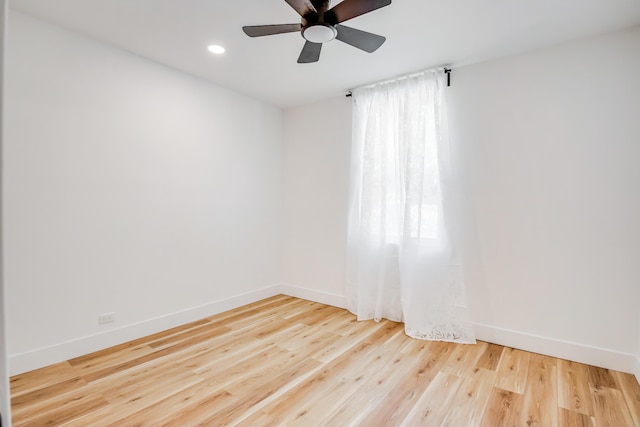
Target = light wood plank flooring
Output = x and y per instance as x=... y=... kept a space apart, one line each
x=287 y=361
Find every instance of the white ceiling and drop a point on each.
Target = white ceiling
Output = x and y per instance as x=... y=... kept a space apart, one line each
x=420 y=34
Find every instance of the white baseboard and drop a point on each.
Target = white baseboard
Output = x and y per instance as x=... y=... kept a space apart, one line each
x=595 y=356
x=28 y=361
x=537 y=344
x=327 y=298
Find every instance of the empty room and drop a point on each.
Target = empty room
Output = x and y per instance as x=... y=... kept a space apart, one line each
x=320 y=213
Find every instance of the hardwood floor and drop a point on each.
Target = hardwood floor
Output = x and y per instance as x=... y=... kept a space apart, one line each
x=286 y=361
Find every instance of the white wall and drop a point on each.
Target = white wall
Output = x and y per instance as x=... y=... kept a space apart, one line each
x=549 y=142
x=129 y=188
x=5 y=403
x=316 y=167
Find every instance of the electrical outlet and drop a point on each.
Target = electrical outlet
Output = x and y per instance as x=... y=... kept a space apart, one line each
x=106 y=318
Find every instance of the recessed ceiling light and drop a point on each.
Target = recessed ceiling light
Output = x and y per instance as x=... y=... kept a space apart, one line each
x=217 y=49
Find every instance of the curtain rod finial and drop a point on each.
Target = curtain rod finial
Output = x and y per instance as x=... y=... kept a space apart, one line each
x=447 y=71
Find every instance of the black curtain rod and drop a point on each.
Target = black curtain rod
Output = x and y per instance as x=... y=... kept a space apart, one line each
x=447 y=71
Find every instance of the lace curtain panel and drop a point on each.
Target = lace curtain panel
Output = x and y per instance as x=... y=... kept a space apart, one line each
x=402 y=263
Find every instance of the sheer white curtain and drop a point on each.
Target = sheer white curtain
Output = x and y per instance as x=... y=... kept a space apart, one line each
x=402 y=261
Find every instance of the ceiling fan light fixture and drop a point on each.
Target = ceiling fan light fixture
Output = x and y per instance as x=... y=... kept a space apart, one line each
x=322 y=23
x=319 y=33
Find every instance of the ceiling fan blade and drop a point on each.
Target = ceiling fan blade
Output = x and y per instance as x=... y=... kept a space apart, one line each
x=303 y=7
x=268 y=30
x=310 y=53
x=368 y=42
x=349 y=9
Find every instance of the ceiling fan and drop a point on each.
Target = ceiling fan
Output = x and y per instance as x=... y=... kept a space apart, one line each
x=320 y=24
